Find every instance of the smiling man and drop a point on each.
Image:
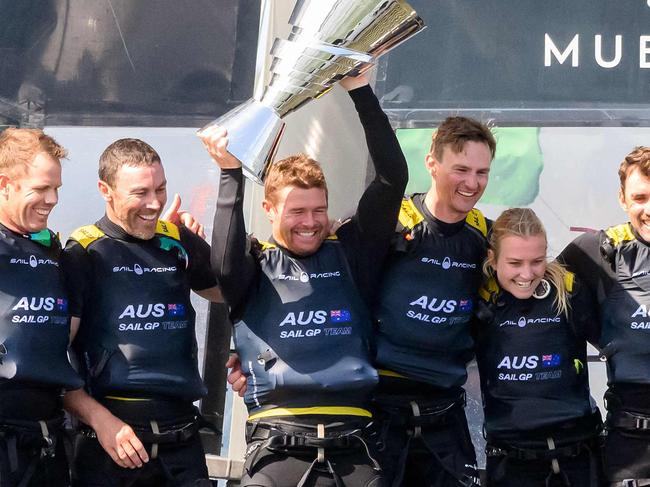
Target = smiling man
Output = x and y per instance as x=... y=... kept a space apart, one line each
x=299 y=304
x=429 y=287
x=35 y=325
x=613 y=263
x=130 y=276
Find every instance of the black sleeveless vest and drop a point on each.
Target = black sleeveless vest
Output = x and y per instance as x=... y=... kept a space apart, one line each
x=532 y=365
x=428 y=292
x=303 y=339
x=34 y=326
x=137 y=329
x=625 y=311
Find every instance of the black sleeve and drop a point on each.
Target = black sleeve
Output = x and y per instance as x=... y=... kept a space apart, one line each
x=199 y=268
x=76 y=268
x=583 y=257
x=367 y=235
x=584 y=315
x=232 y=260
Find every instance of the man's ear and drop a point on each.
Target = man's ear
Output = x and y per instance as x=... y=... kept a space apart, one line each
x=269 y=209
x=5 y=180
x=105 y=190
x=431 y=163
x=621 y=200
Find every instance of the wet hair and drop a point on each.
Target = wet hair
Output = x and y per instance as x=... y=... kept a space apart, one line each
x=298 y=170
x=523 y=222
x=455 y=132
x=19 y=147
x=129 y=152
x=639 y=158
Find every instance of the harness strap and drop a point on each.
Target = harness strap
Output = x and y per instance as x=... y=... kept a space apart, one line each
x=154 y=446
x=417 y=430
x=11 y=435
x=631 y=483
x=275 y=438
x=437 y=417
x=555 y=466
x=630 y=421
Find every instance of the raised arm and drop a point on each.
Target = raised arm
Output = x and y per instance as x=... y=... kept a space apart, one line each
x=367 y=236
x=378 y=208
x=231 y=258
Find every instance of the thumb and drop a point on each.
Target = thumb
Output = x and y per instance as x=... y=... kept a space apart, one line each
x=172 y=213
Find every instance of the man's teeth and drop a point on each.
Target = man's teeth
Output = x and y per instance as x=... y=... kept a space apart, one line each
x=306 y=234
x=467 y=194
x=42 y=212
x=148 y=217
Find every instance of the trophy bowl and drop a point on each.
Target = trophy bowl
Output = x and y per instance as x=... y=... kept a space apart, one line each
x=329 y=40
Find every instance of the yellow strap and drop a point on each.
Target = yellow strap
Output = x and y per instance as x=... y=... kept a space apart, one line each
x=266 y=245
x=329 y=410
x=489 y=289
x=332 y=237
x=476 y=219
x=87 y=235
x=119 y=398
x=620 y=233
x=168 y=229
x=569 y=279
x=390 y=373
x=409 y=215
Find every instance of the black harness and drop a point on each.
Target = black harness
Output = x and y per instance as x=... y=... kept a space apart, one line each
x=41 y=437
x=267 y=438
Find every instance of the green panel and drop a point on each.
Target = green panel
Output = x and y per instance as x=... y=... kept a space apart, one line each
x=515 y=171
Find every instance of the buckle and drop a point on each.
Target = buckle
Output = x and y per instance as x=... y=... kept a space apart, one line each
x=641 y=423
x=629 y=483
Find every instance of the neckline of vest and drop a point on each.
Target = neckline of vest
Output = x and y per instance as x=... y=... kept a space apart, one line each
x=445 y=228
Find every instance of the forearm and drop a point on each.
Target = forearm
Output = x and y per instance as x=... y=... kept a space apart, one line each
x=230 y=255
x=81 y=405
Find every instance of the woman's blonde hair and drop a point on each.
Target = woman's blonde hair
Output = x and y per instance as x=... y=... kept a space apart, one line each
x=523 y=222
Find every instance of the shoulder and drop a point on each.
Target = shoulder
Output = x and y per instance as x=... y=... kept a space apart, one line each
x=86 y=236
x=477 y=221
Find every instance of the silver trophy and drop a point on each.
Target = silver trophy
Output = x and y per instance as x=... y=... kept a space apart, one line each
x=329 y=39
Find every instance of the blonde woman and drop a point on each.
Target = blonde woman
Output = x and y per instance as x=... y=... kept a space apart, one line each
x=541 y=424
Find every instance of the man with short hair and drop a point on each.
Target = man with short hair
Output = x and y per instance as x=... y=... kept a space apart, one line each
x=423 y=311
x=35 y=324
x=299 y=304
x=130 y=276
x=613 y=264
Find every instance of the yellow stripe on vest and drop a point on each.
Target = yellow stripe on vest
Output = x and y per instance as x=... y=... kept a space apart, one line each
x=168 y=229
x=476 y=219
x=119 y=398
x=409 y=215
x=87 y=235
x=620 y=233
x=390 y=373
x=326 y=410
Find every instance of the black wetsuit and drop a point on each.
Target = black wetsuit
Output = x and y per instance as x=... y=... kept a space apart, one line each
x=423 y=312
x=138 y=345
x=302 y=328
x=34 y=367
x=613 y=264
x=535 y=385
